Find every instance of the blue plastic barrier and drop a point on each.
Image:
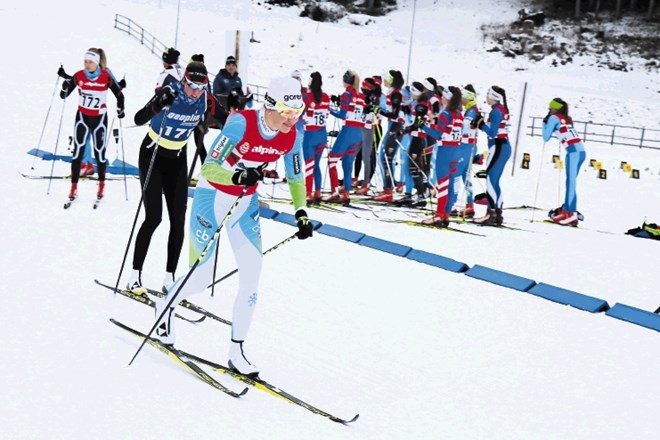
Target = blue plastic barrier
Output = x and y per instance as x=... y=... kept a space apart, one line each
x=290 y=219
x=268 y=213
x=569 y=298
x=384 y=245
x=636 y=316
x=344 y=234
x=500 y=278
x=437 y=261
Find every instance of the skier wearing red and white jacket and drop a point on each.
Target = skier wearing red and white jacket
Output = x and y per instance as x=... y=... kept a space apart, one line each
x=249 y=140
x=560 y=123
x=315 y=139
x=448 y=130
x=93 y=83
x=351 y=108
x=496 y=126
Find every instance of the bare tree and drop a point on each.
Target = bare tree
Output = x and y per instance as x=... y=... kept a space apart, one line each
x=617 y=14
x=577 y=8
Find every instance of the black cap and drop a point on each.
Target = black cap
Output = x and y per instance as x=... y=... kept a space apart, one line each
x=230 y=60
x=198 y=57
x=348 y=77
x=196 y=72
x=171 y=55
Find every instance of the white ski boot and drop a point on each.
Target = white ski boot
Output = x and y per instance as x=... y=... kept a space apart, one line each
x=168 y=281
x=135 y=283
x=238 y=361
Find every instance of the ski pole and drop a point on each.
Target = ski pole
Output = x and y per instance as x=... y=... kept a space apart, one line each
x=387 y=163
x=43 y=129
x=137 y=211
x=123 y=157
x=201 y=256
x=538 y=183
x=215 y=269
x=192 y=166
x=57 y=142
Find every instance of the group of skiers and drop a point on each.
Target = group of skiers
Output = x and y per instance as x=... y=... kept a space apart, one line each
x=433 y=131
x=432 y=128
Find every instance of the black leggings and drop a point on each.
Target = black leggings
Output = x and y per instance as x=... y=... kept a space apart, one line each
x=85 y=127
x=169 y=177
x=419 y=164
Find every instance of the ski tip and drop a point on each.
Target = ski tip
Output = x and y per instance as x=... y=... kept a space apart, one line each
x=242 y=393
x=346 y=422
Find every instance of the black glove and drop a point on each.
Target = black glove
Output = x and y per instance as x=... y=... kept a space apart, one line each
x=335 y=99
x=247 y=176
x=478 y=121
x=120 y=112
x=421 y=110
x=474 y=123
x=305 y=227
x=232 y=101
x=333 y=133
x=166 y=98
x=409 y=129
x=545 y=120
x=249 y=97
x=65 y=89
x=406 y=109
x=62 y=73
x=122 y=83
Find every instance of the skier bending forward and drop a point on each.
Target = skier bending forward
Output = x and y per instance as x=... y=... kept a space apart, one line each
x=249 y=140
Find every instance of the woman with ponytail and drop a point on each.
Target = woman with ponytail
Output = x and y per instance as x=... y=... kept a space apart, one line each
x=351 y=107
x=315 y=139
x=496 y=128
x=449 y=130
x=392 y=110
x=467 y=149
x=560 y=123
x=93 y=83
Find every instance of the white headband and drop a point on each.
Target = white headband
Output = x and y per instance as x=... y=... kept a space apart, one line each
x=447 y=94
x=414 y=91
x=492 y=94
x=92 y=56
x=426 y=83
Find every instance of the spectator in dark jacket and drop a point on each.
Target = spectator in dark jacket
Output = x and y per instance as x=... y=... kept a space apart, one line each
x=228 y=85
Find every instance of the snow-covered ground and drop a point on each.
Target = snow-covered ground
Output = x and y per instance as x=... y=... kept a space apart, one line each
x=417 y=351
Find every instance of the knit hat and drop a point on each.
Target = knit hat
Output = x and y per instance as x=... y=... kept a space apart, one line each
x=196 y=72
x=171 y=55
x=348 y=77
x=230 y=60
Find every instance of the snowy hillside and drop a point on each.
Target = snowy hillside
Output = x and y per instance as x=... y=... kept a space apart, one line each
x=418 y=352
